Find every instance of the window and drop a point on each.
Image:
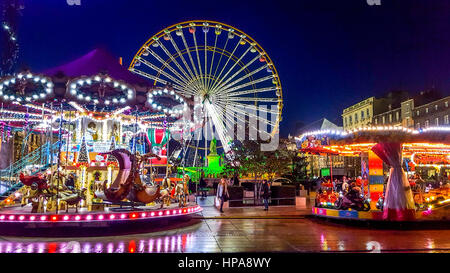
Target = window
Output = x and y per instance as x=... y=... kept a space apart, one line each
x=437 y=121
x=417 y=113
x=397 y=116
x=345 y=121
x=362 y=115
x=426 y=110
x=356 y=117
x=435 y=107
x=350 y=119
x=384 y=119
x=390 y=117
x=446 y=104
x=427 y=123
x=368 y=113
x=446 y=119
x=376 y=121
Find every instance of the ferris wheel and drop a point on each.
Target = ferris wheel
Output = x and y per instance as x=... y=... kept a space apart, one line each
x=219 y=65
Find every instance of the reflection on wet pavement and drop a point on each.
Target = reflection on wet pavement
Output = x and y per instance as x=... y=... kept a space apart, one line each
x=243 y=235
x=230 y=233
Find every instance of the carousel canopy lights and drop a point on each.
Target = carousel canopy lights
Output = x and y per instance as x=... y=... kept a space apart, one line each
x=75 y=86
x=3 y=111
x=9 y=87
x=40 y=108
x=121 y=110
x=76 y=106
x=166 y=93
x=157 y=116
x=371 y=128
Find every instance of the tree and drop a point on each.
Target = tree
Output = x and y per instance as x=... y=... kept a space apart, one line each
x=297 y=162
x=112 y=147
x=83 y=156
x=247 y=158
x=277 y=163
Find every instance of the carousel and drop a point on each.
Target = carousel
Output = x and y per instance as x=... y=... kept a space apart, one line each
x=390 y=187
x=94 y=142
x=83 y=145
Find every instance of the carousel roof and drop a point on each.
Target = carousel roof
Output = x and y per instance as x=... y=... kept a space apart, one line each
x=95 y=62
x=433 y=139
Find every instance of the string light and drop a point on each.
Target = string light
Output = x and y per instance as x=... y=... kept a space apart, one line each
x=374 y=128
x=76 y=106
x=15 y=47
x=40 y=108
x=121 y=110
x=75 y=85
x=166 y=93
x=44 y=82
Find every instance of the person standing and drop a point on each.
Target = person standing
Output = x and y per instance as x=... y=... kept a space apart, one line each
x=70 y=182
x=266 y=194
x=345 y=186
x=222 y=192
x=335 y=184
x=236 y=180
x=202 y=185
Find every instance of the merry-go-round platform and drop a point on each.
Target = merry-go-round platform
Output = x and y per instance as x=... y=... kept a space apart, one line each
x=375 y=217
x=19 y=221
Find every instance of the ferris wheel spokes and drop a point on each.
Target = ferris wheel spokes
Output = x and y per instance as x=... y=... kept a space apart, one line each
x=181 y=56
x=250 y=91
x=219 y=82
x=225 y=65
x=223 y=85
x=162 y=72
x=242 y=111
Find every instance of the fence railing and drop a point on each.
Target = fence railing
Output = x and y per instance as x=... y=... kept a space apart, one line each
x=41 y=157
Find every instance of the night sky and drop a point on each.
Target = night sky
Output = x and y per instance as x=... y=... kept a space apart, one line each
x=329 y=54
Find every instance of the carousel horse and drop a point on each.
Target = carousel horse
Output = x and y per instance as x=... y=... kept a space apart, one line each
x=74 y=199
x=38 y=182
x=165 y=192
x=98 y=190
x=38 y=192
x=184 y=191
x=180 y=194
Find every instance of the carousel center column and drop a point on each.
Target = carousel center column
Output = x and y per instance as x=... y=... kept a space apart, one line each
x=376 y=179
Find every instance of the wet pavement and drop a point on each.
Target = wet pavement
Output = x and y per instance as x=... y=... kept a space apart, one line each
x=282 y=229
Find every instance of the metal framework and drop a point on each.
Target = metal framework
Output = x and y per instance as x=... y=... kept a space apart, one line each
x=221 y=65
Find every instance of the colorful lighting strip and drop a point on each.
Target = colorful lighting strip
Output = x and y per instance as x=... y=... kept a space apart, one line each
x=429 y=165
x=40 y=108
x=76 y=106
x=97 y=217
x=20 y=113
x=374 y=128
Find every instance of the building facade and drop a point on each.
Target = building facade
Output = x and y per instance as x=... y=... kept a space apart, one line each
x=435 y=113
x=414 y=113
x=358 y=115
x=392 y=118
